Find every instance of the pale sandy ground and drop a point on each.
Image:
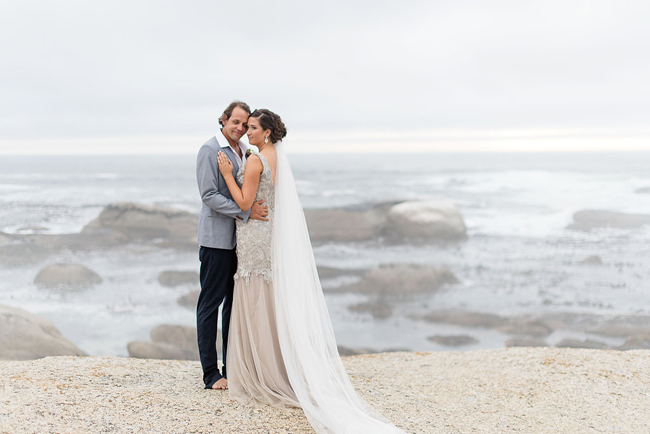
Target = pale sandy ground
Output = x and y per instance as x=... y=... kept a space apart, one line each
x=519 y=390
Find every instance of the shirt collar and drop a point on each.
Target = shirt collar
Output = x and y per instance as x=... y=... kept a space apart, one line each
x=224 y=143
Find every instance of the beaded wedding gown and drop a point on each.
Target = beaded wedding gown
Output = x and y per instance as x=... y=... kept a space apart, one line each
x=281 y=346
x=257 y=373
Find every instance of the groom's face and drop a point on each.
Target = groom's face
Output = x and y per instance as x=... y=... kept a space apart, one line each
x=236 y=125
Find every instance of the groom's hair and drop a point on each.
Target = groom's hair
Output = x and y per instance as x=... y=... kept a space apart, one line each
x=228 y=111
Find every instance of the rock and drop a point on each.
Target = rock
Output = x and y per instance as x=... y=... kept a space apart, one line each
x=643 y=190
x=589 y=219
x=465 y=319
x=620 y=331
x=181 y=336
x=159 y=350
x=526 y=342
x=640 y=342
x=592 y=260
x=453 y=340
x=171 y=342
x=347 y=224
x=587 y=343
x=147 y=222
x=426 y=219
x=27 y=336
x=21 y=254
x=190 y=299
x=177 y=278
x=67 y=275
x=5 y=238
x=526 y=326
x=330 y=273
x=345 y=351
x=402 y=279
x=378 y=309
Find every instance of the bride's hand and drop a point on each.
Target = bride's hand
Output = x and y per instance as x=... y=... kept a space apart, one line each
x=225 y=165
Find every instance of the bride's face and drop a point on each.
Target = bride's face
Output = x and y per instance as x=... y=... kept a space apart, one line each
x=256 y=134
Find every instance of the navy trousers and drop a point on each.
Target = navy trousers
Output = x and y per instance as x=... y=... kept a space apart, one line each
x=218 y=266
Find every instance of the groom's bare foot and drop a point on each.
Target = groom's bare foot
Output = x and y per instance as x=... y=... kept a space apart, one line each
x=222 y=384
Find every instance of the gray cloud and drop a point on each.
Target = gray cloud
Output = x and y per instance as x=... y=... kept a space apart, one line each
x=96 y=69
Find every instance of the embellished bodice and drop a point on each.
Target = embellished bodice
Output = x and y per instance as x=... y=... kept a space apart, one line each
x=254 y=238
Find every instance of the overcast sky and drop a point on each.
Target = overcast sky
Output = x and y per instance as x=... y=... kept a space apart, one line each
x=153 y=76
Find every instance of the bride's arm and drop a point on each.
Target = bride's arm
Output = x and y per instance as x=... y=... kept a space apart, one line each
x=245 y=196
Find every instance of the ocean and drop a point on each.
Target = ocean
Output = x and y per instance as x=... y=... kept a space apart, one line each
x=519 y=256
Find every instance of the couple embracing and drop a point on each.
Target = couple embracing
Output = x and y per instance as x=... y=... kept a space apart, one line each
x=256 y=259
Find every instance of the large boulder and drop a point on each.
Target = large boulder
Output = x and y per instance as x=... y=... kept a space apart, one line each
x=465 y=319
x=587 y=343
x=26 y=336
x=148 y=222
x=347 y=224
x=402 y=279
x=526 y=342
x=176 y=278
x=453 y=340
x=67 y=275
x=438 y=220
x=159 y=350
x=20 y=253
x=377 y=308
x=592 y=260
x=173 y=342
x=190 y=300
x=586 y=220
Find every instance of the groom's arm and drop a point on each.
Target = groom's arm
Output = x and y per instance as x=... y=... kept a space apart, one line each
x=207 y=178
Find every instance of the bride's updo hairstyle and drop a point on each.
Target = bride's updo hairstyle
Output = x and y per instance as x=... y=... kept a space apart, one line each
x=270 y=121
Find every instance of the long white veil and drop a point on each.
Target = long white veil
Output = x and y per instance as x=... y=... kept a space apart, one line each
x=305 y=331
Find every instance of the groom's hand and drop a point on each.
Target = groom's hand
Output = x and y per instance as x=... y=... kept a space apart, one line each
x=259 y=211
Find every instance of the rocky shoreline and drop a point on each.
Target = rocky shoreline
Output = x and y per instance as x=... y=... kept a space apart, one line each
x=524 y=390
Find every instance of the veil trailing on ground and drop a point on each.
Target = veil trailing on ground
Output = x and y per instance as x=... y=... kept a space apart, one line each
x=305 y=331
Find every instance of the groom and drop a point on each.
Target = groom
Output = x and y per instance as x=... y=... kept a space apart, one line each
x=217 y=238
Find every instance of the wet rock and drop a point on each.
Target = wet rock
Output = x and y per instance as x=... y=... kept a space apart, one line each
x=620 y=330
x=526 y=342
x=426 y=219
x=21 y=254
x=589 y=219
x=146 y=222
x=67 y=275
x=27 y=336
x=643 y=190
x=5 y=238
x=402 y=279
x=347 y=224
x=189 y=300
x=526 y=326
x=159 y=350
x=378 y=309
x=330 y=273
x=453 y=340
x=177 y=278
x=587 y=343
x=465 y=319
x=592 y=260
x=181 y=336
x=639 y=342
x=173 y=342
x=345 y=351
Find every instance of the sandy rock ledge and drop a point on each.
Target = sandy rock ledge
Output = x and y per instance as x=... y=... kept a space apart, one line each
x=523 y=390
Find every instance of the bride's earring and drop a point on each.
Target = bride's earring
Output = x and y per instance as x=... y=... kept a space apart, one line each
x=266 y=140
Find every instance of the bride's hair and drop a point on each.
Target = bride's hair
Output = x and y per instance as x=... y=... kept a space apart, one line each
x=270 y=121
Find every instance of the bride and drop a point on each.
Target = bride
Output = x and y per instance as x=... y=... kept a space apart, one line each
x=282 y=349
